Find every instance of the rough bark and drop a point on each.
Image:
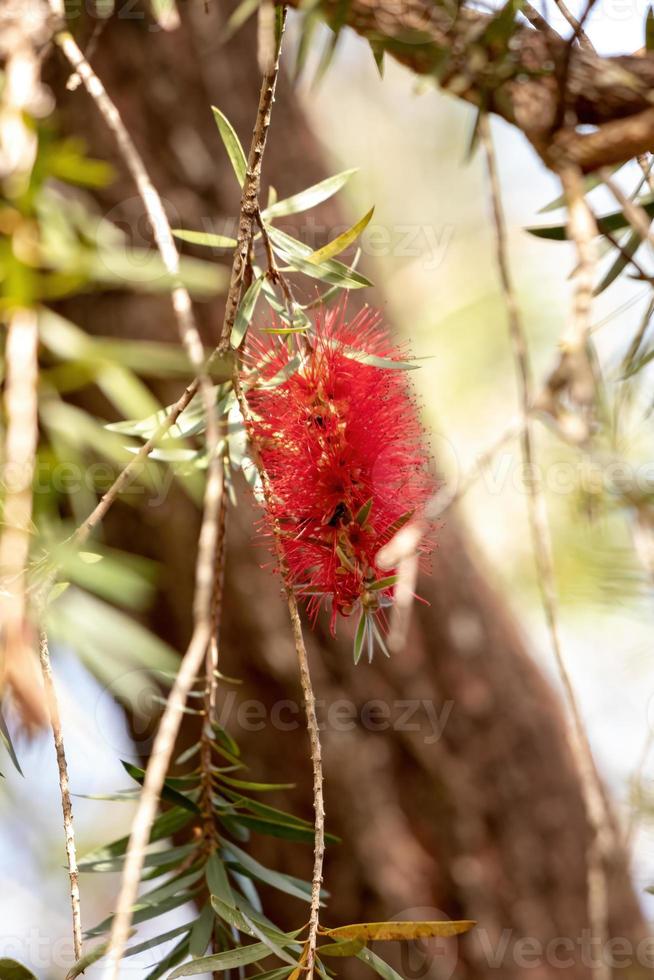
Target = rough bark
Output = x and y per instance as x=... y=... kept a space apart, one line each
x=487 y=820
x=545 y=85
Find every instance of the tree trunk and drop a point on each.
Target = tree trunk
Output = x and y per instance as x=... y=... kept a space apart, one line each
x=448 y=775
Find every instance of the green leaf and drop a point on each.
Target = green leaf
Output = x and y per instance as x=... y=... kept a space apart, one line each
x=345 y=947
x=5 y=738
x=394 y=931
x=238 y=17
x=168 y=792
x=12 y=970
x=155 y=859
x=297 y=255
x=378 y=965
x=201 y=932
x=245 y=312
x=257 y=928
x=378 y=51
x=308 y=26
x=359 y=637
x=207 y=238
x=84 y=962
x=266 y=938
x=309 y=198
x=255 y=787
x=364 y=512
x=503 y=24
x=232 y=144
x=175 y=955
x=228 y=960
x=342 y=242
x=217 y=880
x=649 y=29
x=385 y=363
x=144 y=913
x=629 y=249
x=382 y=583
x=164 y=826
x=612 y=222
x=283 y=883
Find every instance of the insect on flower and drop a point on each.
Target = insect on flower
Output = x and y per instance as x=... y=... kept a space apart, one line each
x=340 y=438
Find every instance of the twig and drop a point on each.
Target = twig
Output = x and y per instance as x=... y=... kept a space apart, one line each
x=250 y=195
x=171 y=719
x=122 y=480
x=21 y=410
x=211 y=683
x=633 y=212
x=574 y=372
x=66 y=802
x=594 y=801
x=308 y=694
x=576 y=24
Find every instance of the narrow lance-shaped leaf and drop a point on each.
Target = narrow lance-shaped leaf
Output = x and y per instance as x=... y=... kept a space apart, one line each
x=359 y=637
x=232 y=144
x=310 y=197
x=394 y=931
x=628 y=250
x=208 y=238
x=12 y=970
x=245 y=312
x=230 y=959
x=341 y=242
x=385 y=363
x=614 y=221
x=5 y=737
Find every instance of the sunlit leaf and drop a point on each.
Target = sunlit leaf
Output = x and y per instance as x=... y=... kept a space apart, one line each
x=385 y=363
x=207 y=238
x=394 y=931
x=232 y=144
x=309 y=198
x=12 y=970
x=341 y=242
x=245 y=312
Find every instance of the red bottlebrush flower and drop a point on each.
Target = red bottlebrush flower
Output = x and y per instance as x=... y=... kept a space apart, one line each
x=345 y=452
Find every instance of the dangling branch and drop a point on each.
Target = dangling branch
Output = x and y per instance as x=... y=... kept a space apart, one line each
x=167 y=733
x=308 y=694
x=66 y=802
x=594 y=801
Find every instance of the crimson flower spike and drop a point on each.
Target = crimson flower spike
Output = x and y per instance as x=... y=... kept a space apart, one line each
x=346 y=455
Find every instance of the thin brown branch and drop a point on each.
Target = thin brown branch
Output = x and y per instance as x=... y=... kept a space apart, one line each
x=21 y=438
x=600 y=91
x=635 y=215
x=249 y=208
x=171 y=719
x=308 y=695
x=64 y=787
x=211 y=684
x=594 y=801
